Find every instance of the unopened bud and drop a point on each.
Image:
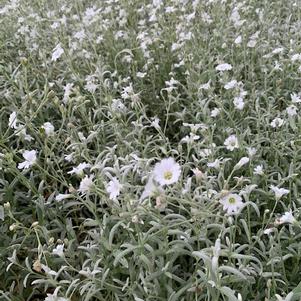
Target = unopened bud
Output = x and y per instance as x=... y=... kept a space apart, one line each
x=51 y=240
x=34 y=224
x=198 y=174
x=24 y=61
x=12 y=227
x=7 y=205
x=37 y=266
x=51 y=94
x=243 y=161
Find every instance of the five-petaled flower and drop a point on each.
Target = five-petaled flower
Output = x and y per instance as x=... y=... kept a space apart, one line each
x=30 y=159
x=232 y=203
x=167 y=172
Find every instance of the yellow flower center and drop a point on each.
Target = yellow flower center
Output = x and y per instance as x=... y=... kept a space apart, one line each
x=167 y=175
x=232 y=200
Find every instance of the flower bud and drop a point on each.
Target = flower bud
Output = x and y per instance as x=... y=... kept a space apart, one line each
x=34 y=224
x=50 y=94
x=12 y=227
x=51 y=240
x=7 y=205
x=24 y=61
x=243 y=161
x=37 y=266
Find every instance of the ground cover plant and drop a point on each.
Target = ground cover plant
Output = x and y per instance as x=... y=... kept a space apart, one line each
x=150 y=150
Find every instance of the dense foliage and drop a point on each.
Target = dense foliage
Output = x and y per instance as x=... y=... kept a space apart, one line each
x=150 y=150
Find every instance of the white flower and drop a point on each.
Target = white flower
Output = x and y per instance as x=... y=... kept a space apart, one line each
x=216 y=253
x=82 y=137
x=57 y=52
x=248 y=189
x=231 y=143
x=279 y=192
x=235 y=18
x=86 y=184
x=242 y=162
x=205 y=86
x=198 y=174
x=48 y=271
x=30 y=159
x=118 y=106
x=277 y=66
x=251 y=151
x=287 y=217
x=149 y=189
x=296 y=57
x=80 y=35
x=217 y=248
x=258 y=170
x=277 y=50
x=191 y=138
x=48 y=128
x=291 y=110
x=171 y=84
x=194 y=127
x=114 y=188
x=69 y=157
x=268 y=231
x=155 y=123
x=54 y=296
x=61 y=197
x=230 y=85
x=55 y=25
x=167 y=171
x=252 y=43
x=58 y=250
x=205 y=152
x=127 y=92
x=287 y=298
x=238 y=40
x=238 y=103
x=223 y=67
x=141 y=74
x=67 y=92
x=232 y=203
x=12 y=122
x=187 y=186
x=215 y=164
x=295 y=98
x=79 y=169
x=277 y=122
x=215 y=112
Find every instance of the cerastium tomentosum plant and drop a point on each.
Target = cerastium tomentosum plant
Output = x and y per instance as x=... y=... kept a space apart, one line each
x=150 y=150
